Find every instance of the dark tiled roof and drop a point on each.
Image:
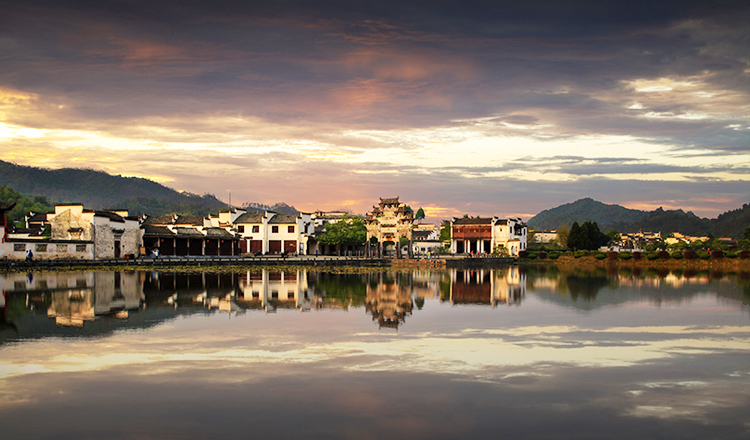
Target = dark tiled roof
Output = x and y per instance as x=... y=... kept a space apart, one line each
x=158 y=220
x=472 y=221
x=249 y=217
x=502 y=222
x=110 y=215
x=193 y=220
x=283 y=218
x=188 y=233
x=157 y=231
x=390 y=201
x=420 y=235
x=7 y=206
x=218 y=233
x=39 y=217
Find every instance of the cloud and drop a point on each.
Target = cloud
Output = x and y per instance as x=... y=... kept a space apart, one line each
x=433 y=97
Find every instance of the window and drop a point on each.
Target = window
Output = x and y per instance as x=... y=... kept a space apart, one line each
x=256 y=229
x=240 y=228
x=275 y=229
x=80 y=248
x=62 y=248
x=41 y=247
x=19 y=247
x=290 y=229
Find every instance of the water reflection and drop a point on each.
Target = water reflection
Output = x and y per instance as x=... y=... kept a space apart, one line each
x=537 y=352
x=127 y=299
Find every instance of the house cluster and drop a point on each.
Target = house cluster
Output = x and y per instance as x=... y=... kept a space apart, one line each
x=73 y=232
x=478 y=235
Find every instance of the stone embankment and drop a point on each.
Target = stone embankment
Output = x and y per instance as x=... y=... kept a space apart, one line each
x=164 y=262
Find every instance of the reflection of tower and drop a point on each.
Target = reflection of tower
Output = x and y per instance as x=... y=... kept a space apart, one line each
x=273 y=290
x=388 y=301
x=488 y=286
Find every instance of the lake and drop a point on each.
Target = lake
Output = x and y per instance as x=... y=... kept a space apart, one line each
x=535 y=353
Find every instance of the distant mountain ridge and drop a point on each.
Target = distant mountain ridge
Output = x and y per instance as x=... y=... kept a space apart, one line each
x=584 y=210
x=729 y=224
x=99 y=190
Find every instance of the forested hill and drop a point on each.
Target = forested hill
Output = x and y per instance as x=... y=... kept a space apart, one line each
x=729 y=224
x=99 y=190
x=584 y=210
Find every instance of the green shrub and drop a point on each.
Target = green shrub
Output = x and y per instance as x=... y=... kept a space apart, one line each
x=677 y=255
x=652 y=256
x=553 y=256
x=568 y=253
x=731 y=255
x=703 y=255
x=625 y=256
x=600 y=255
x=531 y=256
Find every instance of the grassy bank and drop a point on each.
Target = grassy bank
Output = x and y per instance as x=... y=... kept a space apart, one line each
x=723 y=264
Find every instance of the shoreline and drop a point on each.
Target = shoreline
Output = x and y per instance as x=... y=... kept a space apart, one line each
x=724 y=264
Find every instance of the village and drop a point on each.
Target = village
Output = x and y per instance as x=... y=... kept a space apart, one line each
x=390 y=230
x=73 y=232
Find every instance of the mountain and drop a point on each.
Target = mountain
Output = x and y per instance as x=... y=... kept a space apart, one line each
x=729 y=224
x=99 y=190
x=281 y=208
x=585 y=210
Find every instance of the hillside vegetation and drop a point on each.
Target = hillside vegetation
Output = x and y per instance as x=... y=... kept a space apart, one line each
x=729 y=224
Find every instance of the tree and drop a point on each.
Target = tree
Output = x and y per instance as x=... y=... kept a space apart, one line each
x=562 y=235
x=613 y=235
x=419 y=215
x=445 y=233
x=349 y=231
x=576 y=238
x=586 y=236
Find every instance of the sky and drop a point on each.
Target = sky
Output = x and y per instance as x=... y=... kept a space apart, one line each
x=459 y=107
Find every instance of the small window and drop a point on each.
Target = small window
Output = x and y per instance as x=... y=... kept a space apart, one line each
x=256 y=229
x=275 y=229
x=80 y=248
x=41 y=247
x=241 y=228
x=290 y=229
x=19 y=284
x=19 y=247
x=274 y=294
x=62 y=248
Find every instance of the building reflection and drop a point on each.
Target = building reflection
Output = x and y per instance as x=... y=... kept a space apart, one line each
x=270 y=291
x=487 y=286
x=74 y=298
x=389 y=298
x=95 y=303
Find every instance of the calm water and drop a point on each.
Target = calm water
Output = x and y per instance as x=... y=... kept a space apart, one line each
x=538 y=354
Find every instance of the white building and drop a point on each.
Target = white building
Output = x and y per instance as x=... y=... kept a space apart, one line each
x=272 y=233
